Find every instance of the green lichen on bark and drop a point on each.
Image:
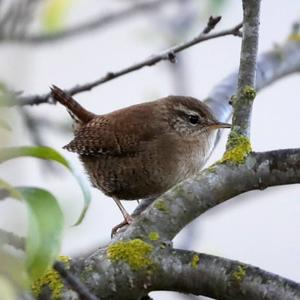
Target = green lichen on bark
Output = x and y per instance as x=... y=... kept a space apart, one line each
x=153 y=235
x=161 y=206
x=248 y=93
x=135 y=253
x=239 y=274
x=195 y=261
x=51 y=279
x=238 y=148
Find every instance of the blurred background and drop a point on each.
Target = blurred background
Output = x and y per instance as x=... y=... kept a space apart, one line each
x=260 y=228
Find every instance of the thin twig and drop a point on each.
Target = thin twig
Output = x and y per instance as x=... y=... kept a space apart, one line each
x=242 y=105
x=36 y=136
x=12 y=239
x=15 y=21
x=32 y=127
x=73 y=282
x=88 y=26
x=150 y=61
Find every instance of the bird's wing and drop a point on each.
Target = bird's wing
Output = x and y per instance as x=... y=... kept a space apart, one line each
x=122 y=132
x=93 y=138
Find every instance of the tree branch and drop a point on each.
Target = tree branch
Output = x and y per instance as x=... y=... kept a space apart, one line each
x=168 y=54
x=220 y=278
x=142 y=251
x=242 y=105
x=73 y=282
x=186 y=201
x=12 y=239
x=154 y=265
x=85 y=27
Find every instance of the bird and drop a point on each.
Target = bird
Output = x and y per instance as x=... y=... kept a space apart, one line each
x=143 y=150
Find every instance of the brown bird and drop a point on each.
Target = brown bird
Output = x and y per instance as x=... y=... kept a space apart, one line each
x=143 y=150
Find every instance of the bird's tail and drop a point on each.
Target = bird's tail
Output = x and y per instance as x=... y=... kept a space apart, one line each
x=77 y=112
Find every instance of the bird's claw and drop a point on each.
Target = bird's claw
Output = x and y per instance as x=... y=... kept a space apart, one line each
x=128 y=220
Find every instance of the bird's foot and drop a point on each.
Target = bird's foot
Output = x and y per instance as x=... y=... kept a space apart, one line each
x=127 y=220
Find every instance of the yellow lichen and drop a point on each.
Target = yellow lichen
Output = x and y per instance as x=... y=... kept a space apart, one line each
x=239 y=273
x=51 y=279
x=135 y=253
x=153 y=236
x=248 y=92
x=161 y=205
x=195 y=261
x=238 y=149
x=295 y=37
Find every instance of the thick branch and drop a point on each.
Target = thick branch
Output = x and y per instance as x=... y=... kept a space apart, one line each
x=221 y=278
x=107 y=271
x=246 y=80
x=191 y=198
x=168 y=54
x=109 y=268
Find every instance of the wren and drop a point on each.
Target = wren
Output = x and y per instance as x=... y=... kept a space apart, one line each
x=143 y=150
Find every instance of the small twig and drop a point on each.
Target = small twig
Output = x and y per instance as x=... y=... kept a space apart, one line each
x=211 y=24
x=4 y=194
x=12 y=239
x=36 y=136
x=242 y=105
x=150 y=61
x=74 y=282
x=16 y=19
x=88 y=26
x=32 y=128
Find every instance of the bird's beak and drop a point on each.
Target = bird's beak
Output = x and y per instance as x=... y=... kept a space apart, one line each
x=217 y=125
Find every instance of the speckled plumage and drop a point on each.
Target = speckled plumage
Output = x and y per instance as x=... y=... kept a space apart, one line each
x=143 y=150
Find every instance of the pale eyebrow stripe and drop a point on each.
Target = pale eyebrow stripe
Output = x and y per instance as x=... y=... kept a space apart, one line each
x=189 y=111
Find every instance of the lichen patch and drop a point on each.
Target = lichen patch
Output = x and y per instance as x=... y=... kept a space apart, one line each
x=239 y=147
x=135 y=253
x=51 y=279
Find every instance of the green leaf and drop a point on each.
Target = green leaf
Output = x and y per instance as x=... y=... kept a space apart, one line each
x=8 y=153
x=5 y=125
x=54 y=14
x=45 y=228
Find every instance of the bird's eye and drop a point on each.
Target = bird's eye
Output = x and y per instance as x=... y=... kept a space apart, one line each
x=194 y=119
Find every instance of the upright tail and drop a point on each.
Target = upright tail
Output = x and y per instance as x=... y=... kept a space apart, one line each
x=75 y=109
